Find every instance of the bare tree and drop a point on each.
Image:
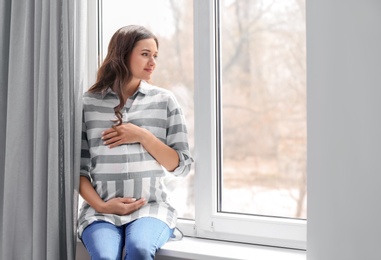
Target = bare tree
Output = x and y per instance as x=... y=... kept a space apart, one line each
x=263 y=72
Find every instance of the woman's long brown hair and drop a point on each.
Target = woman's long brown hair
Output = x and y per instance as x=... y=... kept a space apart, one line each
x=114 y=72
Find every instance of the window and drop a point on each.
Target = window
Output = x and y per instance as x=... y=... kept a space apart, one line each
x=263 y=107
x=238 y=70
x=172 y=23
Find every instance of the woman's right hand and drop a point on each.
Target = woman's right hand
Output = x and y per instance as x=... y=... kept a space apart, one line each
x=118 y=206
x=122 y=206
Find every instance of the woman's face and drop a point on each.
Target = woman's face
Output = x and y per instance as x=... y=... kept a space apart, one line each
x=143 y=60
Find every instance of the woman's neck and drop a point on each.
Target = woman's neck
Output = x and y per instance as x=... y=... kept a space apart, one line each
x=130 y=88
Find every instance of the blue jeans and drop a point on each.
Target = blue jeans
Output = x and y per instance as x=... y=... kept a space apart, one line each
x=141 y=239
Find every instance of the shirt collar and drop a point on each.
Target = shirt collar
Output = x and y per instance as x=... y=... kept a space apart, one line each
x=142 y=88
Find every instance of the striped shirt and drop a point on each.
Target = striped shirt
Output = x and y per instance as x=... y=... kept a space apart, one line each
x=129 y=170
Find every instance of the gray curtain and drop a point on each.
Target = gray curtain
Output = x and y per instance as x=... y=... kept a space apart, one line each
x=41 y=82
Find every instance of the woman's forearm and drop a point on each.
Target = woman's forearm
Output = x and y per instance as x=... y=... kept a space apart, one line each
x=129 y=133
x=163 y=154
x=89 y=194
x=120 y=206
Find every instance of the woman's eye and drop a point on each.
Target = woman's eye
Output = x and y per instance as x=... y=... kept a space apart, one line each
x=145 y=54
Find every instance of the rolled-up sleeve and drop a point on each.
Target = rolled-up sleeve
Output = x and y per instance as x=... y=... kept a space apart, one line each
x=85 y=153
x=177 y=137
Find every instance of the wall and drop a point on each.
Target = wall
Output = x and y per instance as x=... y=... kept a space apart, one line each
x=344 y=129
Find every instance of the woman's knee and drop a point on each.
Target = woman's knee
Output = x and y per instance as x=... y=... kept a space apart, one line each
x=105 y=255
x=144 y=237
x=103 y=241
x=140 y=251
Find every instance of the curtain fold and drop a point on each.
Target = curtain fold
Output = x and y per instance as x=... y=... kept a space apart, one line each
x=42 y=77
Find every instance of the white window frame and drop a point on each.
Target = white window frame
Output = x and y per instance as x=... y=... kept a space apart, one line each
x=93 y=54
x=209 y=223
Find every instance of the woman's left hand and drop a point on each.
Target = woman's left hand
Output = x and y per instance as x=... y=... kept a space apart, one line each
x=129 y=133
x=123 y=134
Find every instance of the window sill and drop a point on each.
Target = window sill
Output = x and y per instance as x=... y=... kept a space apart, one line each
x=199 y=249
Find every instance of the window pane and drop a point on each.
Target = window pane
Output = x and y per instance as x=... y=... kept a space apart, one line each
x=172 y=23
x=263 y=107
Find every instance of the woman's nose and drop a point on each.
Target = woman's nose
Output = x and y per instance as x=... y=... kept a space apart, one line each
x=152 y=60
